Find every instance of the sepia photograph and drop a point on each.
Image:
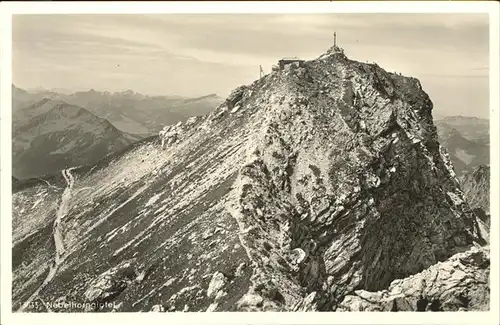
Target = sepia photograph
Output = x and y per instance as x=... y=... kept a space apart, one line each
x=250 y=162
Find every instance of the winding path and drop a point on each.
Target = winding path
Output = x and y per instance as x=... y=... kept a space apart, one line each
x=58 y=238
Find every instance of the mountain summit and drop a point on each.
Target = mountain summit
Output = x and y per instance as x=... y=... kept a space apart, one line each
x=320 y=179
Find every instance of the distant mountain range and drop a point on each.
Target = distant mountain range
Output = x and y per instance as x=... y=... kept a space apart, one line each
x=52 y=131
x=54 y=90
x=128 y=111
x=467 y=140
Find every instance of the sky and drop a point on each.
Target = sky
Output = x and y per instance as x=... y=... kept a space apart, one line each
x=199 y=54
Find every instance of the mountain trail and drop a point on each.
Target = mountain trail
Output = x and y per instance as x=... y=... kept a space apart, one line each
x=58 y=237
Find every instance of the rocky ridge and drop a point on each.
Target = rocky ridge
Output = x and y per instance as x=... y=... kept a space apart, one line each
x=458 y=284
x=299 y=190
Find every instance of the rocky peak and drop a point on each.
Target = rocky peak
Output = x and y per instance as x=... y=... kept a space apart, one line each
x=344 y=163
x=62 y=109
x=328 y=174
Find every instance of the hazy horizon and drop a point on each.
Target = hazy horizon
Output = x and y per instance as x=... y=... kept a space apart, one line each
x=199 y=54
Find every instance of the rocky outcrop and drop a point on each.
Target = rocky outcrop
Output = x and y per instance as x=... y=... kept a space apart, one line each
x=111 y=283
x=173 y=133
x=461 y=283
x=311 y=183
x=476 y=187
x=216 y=284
